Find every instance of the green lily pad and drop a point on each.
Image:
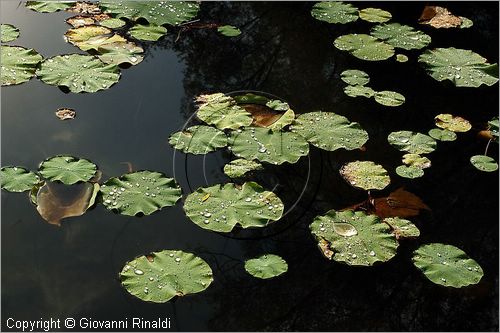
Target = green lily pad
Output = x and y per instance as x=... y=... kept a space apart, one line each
x=266 y=266
x=155 y=12
x=412 y=142
x=92 y=37
x=389 y=98
x=364 y=47
x=8 y=33
x=402 y=228
x=484 y=163
x=463 y=68
x=17 y=179
x=442 y=134
x=221 y=207
x=416 y=160
x=262 y=144
x=18 y=64
x=160 y=276
x=334 y=12
x=466 y=23
x=447 y=265
x=278 y=105
x=149 y=32
x=329 y=131
x=67 y=169
x=493 y=126
x=401 y=36
x=452 y=123
x=355 y=77
x=121 y=53
x=198 y=140
x=229 y=31
x=365 y=175
x=112 y=23
x=410 y=171
x=79 y=73
x=49 y=6
x=240 y=167
x=359 y=91
x=375 y=15
x=401 y=58
x=354 y=238
x=222 y=111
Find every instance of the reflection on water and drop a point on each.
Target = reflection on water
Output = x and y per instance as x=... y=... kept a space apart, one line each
x=72 y=271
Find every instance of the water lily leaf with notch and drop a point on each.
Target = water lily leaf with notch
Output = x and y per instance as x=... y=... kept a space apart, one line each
x=375 y=15
x=359 y=91
x=17 y=179
x=240 y=167
x=198 y=140
x=49 y=6
x=442 y=134
x=410 y=171
x=484 y=163
x=120 y=53
x=160 y=276
x=412 y=142
x=221 y=207
x=365 y=175
x=354 y=238
x=147 y=32
x=364 y=47
x=222 y=111
x=334 y=12
x=389 y=98
x=330 y=131
x=18 y=64
x=79 y=73
x=452 y=123
x=447 y=265
x=229 y=31
x=463 y=68
x=67 y=169
x=266 y=266
x=401 y=36
x=112 y=23
x=92 y=37
x=354 y=77
x=8 y=33
x=402 y=228
x=416 y=160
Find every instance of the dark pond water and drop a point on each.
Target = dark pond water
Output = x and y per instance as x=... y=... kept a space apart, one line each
x=72 y=270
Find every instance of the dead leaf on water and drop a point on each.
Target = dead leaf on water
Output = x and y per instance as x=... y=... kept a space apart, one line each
x=65 y=113
x=84 y=7
x=262 y=115
x=439 y=17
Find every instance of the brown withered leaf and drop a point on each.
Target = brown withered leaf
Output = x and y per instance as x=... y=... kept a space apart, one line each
x=81 y=20
x=262 y=115
x=439 y=17
x=65 y=113
x=84 y=7
x=324 y=246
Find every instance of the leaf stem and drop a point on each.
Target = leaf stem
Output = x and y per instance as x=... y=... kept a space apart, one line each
x=487 y=146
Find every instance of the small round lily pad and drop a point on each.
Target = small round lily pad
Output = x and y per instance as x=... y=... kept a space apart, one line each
x=354 y=77
x=442 y=134
x=334 y=12
x=149 y=32
x=374 y=15
x=18 y=64
x=402 y=228
x=67 y=169
x=484 y=163
x=229 y=31
x=198 y=139
x=412 y=142
x=364 y=47
x=452 y=123
x=8 y=33
x=359 y=91
x=410 y=171
x=17 y=179
x=401 y=58
x=389 y=98
x=416 y=160
x=365 y=175
x=266 y=266
x=240 y=167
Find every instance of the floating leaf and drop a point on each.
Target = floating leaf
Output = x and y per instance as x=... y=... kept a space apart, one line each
x=18 y=64
x=141 y=192
x=273 y=114
x=65 y=113
x=85 y=7
x=248 y=205
x=49 y=6
x=466 y=23
x=389 y=98
x=198 y=139
x=222 y=111
x=401 y=36
x=80 y=21
x=113 y=23
x=250 y=98
x=17 y=179
x=442 y=134
x=229 y=31
x=484 y=163
x=148 y=32
x=359 y=91
x=364 y=47
x=334 y=12
x=329 y=131
x=440 y=17
x=120 y=53
x=416 y=160
x=354 y=77
x=92 y=37
x=493 y=127
x=67 y=169
x=79 y=73
x=401 y=58
x=239 y=167
x=8 y=33
x=411 y=171
x=452 y=123
x=371 y=242
x=462 y=67
x=365 y=175
x=412 y=142
x=160 y=276
x=447 y=265
x=402 y=228
x=375 y=15
x=266 y=266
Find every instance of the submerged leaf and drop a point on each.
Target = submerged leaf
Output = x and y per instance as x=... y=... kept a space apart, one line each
x=452 y=123
x=8 y=33
x=67 y=169
x=239 y=167
x=229 y=31
x=484 y=163
x=411 y=171
x=442 y=134
x=375 y=15
x=222 y=111
x=412 y=142
x=401 y=36
x=389 y=98
x=18 y=64
x=266 y=266
x=148 y=32
x=65 y=113
x=402 y=228
x=17 y=179
x=334 y=12
x=49 y=6
x=354 y=77
x=120 y=53
x=198 y=140
x=365 y=175
x=359 y=91
x=364 y=47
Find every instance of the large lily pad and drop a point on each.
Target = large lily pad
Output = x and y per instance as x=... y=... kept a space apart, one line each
x=334 y=12
x=447 y=265
x=364 y=47
x=17 y=179
x=18 y=64
x=266 y=266
x=409 y=171
x=365 y=175
x=141 y=192
x=401 y=36
x=240 y=167
x=92 y=37
x=389 y=98
x=121 y=53
x=355 y=77
x=8 y=33
x=160 y=276
x=222 y=111
x=484 y=163
x=412 y=142
x=442 y=134
x=67 y=169
x=262 y=144
x=359 y=91
x=222 y=207
x=330 y=131
x=198 y=139
x=147 y=32
x=79 y=73
x=229 y=31
x=375 y=15
x=49 y=6
x=452 y=123
x=402 y=228
x=354 y=238
x=463 y=68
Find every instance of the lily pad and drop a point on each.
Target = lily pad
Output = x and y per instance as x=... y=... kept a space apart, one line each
x=410 y=171
x=147 y=32
x=329 y=131
x=334 y=12
x=375 y=15
x=17 y=179
x=442 y=134
x=272 y=114
x=402 y=228
x=452 y=123
x=65 y=113
x=229 y=31
x=447 y=265
x=18 y=64
x=112 y=23
x=266 y=266
x=141 y=192
x=79 y=73
x=466 y=23
x=484 y=163
x=365 y=175
x=463 y=68
x=92 y=37
x=160 y=276
x=67 y=169
x=240 y=167
x=412 y=142
x=355 y=77
x=389 y=98
x=354 y=238
x=198 y=140
x=401 y=36
x=49 y=6
x=121 y=53
x=401 y=58
x=8 y=33
x=222 y=111
x=85 y=7
x=416 y=160
x=493 y=127
x=364 y=47
x=81 y=21
x=359 y=91
x=222 y=207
